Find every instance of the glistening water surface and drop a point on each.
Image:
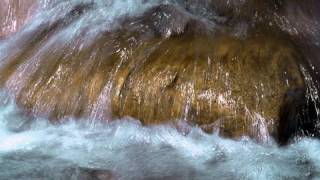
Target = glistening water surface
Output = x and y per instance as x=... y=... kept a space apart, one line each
x=127 y=150
x=51 y=62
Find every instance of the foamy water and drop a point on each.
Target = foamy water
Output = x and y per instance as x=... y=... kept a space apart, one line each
x=33 y=148
x=40 y=150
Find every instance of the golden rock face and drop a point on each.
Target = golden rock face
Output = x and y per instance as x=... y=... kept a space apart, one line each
x=207 y=81
x=213 y=80
x=201 y=80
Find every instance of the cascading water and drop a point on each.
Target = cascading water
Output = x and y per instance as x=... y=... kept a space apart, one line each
x=77 y=74
x=127 y=150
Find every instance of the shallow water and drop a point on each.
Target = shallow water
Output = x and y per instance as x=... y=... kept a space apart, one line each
x=40 y=150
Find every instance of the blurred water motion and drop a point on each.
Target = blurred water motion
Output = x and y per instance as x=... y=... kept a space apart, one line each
x=78 y=74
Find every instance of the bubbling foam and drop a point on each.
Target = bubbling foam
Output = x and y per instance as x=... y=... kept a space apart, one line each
x=132 y=151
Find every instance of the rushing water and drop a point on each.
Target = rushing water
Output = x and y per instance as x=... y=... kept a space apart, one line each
x=40 y=150
x=34 y=148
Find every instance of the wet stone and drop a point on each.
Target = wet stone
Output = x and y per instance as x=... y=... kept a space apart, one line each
x=163 y=65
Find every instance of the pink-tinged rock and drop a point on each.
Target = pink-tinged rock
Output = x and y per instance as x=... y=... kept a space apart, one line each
x=14 y=14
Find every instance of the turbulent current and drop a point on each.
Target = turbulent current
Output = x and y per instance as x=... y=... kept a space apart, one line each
x=126 y=150
x=159 y=89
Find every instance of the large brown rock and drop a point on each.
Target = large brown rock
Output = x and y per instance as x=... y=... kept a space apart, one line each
x=195 y=73
x=224 y=80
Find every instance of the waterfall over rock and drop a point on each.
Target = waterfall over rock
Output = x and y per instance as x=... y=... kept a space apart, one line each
x=186 y=69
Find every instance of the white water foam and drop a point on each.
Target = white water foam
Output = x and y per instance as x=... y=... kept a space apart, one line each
x=99 y=16
x=39 y=149
x=35 y=149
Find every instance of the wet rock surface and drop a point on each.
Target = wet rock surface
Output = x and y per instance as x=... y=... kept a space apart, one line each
x=14 y=14
x=221 y=68
x=96 y=174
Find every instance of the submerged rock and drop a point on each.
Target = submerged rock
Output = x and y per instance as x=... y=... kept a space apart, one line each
x=96 y=174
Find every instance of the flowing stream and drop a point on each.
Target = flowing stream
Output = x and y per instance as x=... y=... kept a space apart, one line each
x=128 y=150
x=32 y=147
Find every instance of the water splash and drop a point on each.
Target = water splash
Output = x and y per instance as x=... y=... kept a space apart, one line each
x=38 y=149
x=132 y=151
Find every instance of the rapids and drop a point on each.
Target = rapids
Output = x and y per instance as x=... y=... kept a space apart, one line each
x=127 y=150
x=73 y=72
